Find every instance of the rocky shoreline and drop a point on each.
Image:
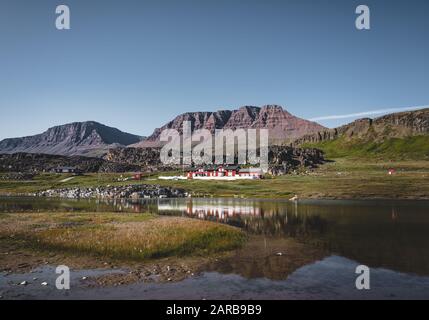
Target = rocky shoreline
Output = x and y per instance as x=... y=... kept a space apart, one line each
x=114 y=192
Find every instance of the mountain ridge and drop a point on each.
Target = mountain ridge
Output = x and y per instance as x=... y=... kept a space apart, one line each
x=401 y=135
x=282 y=125
x=89 y=138
x=392 y=125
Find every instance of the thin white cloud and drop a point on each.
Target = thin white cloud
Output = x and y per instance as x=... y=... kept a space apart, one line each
x=366 y=113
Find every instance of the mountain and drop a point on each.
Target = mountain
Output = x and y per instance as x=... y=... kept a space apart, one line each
x=88 y=138
x=402 y=135
x=283 y=126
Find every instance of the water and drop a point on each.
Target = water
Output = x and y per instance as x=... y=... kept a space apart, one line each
x=308 y=249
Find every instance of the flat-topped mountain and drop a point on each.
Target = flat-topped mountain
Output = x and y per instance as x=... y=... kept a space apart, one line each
x=88 y=138
x=283 y=126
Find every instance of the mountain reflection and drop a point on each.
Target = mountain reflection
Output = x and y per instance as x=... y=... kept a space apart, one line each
x=255 y=217
x=388 y=234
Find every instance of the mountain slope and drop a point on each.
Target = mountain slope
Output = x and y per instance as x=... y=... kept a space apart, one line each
x=88 y=138
x=403 y=135
x=283 y=126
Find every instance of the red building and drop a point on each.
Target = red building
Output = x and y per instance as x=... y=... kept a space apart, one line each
x=224 y=171
x=255 y=173
x=137 y=176
x=213 y=171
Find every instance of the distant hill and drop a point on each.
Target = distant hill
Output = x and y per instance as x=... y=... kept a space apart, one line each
x=403 y=135
x=283 y=126
x=88 y=138
x=35 y=163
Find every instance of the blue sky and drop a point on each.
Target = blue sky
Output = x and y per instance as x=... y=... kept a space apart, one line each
x=137 y=64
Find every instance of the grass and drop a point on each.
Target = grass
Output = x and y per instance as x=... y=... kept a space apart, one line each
x=343 y=179
x=347 y=177
x=409 y=148
x=134 y=237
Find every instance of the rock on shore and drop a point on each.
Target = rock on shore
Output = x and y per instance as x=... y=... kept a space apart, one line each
x=114 y=192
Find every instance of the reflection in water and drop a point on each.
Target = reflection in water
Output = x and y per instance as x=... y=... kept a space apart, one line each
x=256 y=217
x=271 y=252
x=393 y=235
x=268 y=257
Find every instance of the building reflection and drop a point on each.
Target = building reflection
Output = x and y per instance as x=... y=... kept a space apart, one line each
x=269 y=218
x=368 y=233
x=391 y=235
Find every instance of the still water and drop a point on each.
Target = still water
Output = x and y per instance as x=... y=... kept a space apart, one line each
x=308 y=249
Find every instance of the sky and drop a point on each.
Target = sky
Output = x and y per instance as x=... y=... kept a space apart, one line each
x=136 y=64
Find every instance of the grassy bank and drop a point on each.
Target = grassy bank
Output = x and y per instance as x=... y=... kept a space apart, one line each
x=134 y=237
x=343 y=178
x=393 y=149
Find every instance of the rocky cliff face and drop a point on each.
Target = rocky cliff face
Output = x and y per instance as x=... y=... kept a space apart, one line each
x=148 y=158
x=79 y=138
x=36 y=163
x=283 y=126
x=395 y=125
x=282 y=159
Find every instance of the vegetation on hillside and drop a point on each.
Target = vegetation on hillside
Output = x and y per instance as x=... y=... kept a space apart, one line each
x=408 y=148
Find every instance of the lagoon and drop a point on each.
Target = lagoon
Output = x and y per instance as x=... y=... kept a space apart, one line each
x=305 y=249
